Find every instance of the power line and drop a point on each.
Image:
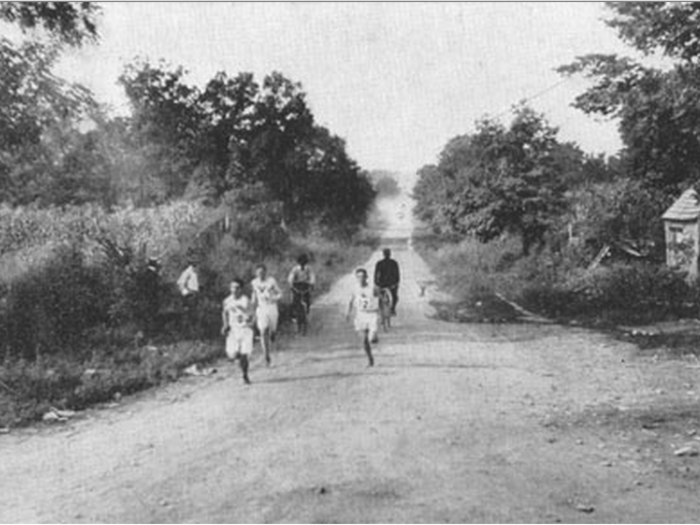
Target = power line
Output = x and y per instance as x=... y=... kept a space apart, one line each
x=536 y=95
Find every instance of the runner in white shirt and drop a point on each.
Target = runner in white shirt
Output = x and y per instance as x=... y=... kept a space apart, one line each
x=266 y=295
x=237 y=318
x=365 y=303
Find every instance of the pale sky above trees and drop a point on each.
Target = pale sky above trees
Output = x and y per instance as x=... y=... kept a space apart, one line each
x=395 y=80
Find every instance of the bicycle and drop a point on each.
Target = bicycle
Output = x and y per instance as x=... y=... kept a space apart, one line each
x=301 y=304
x=385 y=302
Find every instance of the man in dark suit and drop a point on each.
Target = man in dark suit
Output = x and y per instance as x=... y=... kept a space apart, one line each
x=387 y=275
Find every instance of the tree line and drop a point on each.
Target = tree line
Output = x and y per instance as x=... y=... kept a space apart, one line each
x=235 y=135
x=521 y=179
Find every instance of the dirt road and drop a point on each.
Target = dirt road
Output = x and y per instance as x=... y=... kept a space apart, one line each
x=466 y=423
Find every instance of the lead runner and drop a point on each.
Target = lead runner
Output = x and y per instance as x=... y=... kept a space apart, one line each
x=365 y=303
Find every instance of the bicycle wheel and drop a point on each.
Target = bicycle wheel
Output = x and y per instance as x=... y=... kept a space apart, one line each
x=302 y=318
x=299 y=309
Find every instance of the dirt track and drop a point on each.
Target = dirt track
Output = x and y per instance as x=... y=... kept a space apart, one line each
x=467 y=423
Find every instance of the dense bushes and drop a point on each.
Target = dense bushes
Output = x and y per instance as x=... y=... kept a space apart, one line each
x=49 y=308
x=621 y=293
x=84 y=274
x=558 y=283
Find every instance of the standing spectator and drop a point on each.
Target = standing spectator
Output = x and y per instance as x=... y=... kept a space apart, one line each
x=188 y=284
x=387 y=275
x=149 y=292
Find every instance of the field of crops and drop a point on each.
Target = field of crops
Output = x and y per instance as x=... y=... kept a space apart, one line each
x=28 y=237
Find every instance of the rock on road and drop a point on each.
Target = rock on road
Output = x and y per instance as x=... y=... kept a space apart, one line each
x=455 y=423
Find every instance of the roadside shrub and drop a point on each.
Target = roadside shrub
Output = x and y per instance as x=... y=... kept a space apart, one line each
x=621 y=293
x=557 y=283
x=49 y=308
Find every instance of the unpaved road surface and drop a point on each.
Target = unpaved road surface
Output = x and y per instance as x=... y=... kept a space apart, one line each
x=465 y=423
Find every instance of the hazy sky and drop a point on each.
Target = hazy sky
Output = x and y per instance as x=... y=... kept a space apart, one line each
x=395 y=80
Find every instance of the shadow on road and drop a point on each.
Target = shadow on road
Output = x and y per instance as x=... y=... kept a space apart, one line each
x=333 y=375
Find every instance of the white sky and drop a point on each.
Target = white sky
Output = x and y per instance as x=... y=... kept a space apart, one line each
x=396 y=80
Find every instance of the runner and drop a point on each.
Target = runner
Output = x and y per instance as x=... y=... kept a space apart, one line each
x=387 y=275
x=238 y=326
x=266 y=294
x=365 y=302
x=302 y=280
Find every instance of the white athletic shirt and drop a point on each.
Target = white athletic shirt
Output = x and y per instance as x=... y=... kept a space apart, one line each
x=267 y=292
x=188 y=283
x=238 y=311
x=365 y=300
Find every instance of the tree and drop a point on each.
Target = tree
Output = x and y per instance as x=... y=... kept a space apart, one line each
x=227 y=106
x=33 y=101
x=658 y=110
x=385 y=183
x=497 y=180
x=71 y=23
x=282 y=122
x=670 y=27
x=335 y=192
x=235 y=132
x=165 y=124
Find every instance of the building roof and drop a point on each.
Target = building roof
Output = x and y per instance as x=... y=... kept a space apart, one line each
x=686 y=208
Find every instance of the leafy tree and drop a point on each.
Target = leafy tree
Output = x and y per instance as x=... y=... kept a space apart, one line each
x=670 y=27
x=385 y=183
x=500 y=179
x=336 y=193
x=282 y=122
x=236 y=132
x=658 y=110
x=227 y=107
x=71 y=23
x=165 y=122
x=34 y=103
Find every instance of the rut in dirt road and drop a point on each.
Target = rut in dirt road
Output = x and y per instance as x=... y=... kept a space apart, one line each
x=455 y=423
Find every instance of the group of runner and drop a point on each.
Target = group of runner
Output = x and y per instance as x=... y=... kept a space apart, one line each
x=240 y=313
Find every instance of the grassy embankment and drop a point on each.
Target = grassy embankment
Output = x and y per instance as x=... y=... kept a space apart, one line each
x=69 y=326
x=558 y=285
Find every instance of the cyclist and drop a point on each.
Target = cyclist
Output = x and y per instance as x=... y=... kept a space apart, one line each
x=387 y=275
x=302 y=281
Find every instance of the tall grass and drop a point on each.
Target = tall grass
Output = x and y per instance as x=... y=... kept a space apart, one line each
x=468 y=268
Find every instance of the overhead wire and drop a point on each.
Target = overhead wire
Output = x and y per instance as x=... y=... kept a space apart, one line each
x=535 y=96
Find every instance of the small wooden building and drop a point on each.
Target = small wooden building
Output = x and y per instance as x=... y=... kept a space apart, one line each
x=682 y=229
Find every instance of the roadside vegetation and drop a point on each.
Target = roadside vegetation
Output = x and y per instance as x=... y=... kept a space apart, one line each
x=230 y=174
x=516 y=211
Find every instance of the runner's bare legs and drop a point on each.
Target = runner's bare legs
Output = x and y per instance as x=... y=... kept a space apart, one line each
x=266 y=343
x=368 y=347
